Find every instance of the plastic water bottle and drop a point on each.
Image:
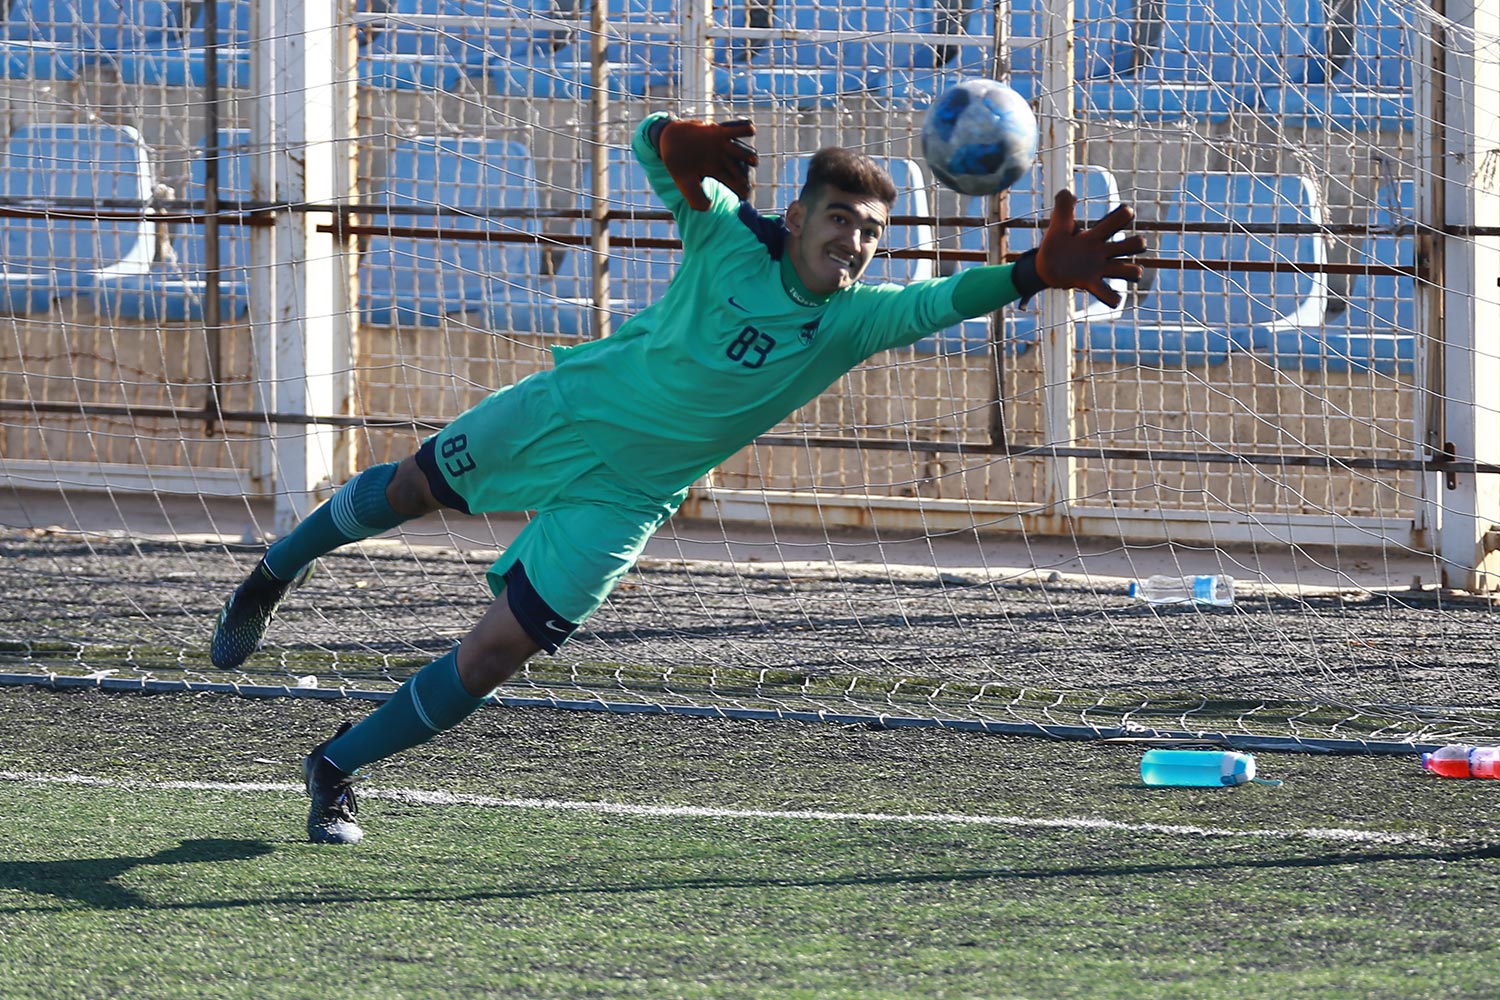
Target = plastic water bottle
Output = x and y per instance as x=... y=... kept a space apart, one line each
x=1216 y=589
x=1459 y=760
x=1197 y=768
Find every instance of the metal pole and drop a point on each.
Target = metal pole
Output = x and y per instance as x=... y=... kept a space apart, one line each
x=212 y=328
x=599 y=168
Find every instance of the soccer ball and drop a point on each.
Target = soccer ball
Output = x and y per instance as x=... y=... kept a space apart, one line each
x=979 y=137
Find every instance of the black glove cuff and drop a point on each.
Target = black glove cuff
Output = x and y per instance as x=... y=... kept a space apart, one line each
x=653 y=134
x=1023 y=275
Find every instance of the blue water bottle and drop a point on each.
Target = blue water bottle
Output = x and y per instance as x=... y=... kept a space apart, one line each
x=1197 y=768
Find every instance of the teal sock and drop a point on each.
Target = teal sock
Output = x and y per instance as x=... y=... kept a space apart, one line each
x=357 y=511
x=432 y=701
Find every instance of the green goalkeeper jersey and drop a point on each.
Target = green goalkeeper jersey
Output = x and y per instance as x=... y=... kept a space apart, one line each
x=735 y=345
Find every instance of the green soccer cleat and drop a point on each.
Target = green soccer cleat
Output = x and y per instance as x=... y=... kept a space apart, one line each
x=330 y=820
x=244 y=617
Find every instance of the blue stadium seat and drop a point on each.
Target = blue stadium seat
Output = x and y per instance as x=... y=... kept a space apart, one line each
x=638 y=276
x=653 y=62
x=1372 y=88
x=516 y=59
x=174 y=289
x=1098 y=193
x=1104 y=42
x=186 y=65
x=925 y=71
x=406 y=280
x=1376 y=329
x=47 y=258
x=1104 y=32
x=811 y=74
x=1104 y=38
x=407 y=55
x=55 y=39
x=1215 y=57
x=1195 y=317
x=645 y=61
x=457 y=181
x=566 y=75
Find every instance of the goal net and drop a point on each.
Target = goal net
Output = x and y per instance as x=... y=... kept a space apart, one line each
x=253 y=247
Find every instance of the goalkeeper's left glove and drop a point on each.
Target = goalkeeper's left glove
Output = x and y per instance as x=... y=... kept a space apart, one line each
x=692 y=150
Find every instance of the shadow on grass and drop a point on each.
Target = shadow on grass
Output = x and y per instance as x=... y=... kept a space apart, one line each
x=90 y=881
x=1486 y=852
x=93 y=881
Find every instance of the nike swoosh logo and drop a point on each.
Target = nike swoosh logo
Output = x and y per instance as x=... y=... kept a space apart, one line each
x=552 y=624
x=737 y=305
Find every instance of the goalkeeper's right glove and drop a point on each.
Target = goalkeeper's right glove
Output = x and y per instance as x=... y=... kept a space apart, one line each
x=692 y=150
x=1070 y=256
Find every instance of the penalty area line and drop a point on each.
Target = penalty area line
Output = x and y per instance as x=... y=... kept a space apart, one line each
x=430 y=798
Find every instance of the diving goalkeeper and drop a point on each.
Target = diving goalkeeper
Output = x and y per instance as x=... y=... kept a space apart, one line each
x=763 y=315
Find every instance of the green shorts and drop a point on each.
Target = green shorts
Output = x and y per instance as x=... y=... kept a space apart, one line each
x=515 y=451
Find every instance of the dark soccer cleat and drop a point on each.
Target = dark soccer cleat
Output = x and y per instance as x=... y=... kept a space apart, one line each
x=330 y=820
x=243 y=620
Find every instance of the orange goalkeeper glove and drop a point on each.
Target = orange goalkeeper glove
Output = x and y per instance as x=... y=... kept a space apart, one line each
x=693 y=150
x=1070 y=256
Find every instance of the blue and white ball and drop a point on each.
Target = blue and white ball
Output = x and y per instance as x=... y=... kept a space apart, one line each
x=979 y=137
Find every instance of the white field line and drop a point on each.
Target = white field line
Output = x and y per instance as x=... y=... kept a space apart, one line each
x=418 y=797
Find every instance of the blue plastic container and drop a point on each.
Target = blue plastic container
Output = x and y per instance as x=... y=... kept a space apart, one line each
x=1197 y=768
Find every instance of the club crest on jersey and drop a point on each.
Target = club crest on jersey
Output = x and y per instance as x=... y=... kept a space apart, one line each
x=807 y=333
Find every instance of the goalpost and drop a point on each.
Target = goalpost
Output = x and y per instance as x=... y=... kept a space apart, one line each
x=1462 y=156
x=403 y=218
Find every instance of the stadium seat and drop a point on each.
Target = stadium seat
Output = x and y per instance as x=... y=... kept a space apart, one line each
x=1098 y=193
x=1372 y=88
x=565 y=75
x=174 y=289
x=486 y=39
x=456 y=183
x=55 y=39
x=924 y=71
x=47 y=258
x=186 y=64
x=407 y=55
x=650 y=63
x=453 y=181
x=1104 y=46
x=1376 y=329
x=1214 y=57
x=638 y=276
x=810 y=74
x=1104 y=33
x=1104 y=38
x=1196 y=316
x=643 y=62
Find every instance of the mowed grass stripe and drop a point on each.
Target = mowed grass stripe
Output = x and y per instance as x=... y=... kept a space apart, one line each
x=437 y=798
x=119 y=891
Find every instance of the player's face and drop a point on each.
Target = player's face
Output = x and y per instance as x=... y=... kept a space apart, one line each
x=833 y=241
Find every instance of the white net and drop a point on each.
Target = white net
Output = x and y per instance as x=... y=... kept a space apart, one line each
x=252 y=248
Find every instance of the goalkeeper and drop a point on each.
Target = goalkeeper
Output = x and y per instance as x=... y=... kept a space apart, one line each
x=763 y=314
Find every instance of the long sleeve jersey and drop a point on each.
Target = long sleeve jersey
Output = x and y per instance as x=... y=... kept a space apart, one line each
x=735 y=344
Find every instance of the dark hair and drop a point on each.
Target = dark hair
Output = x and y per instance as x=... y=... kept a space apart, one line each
x=837 y=167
